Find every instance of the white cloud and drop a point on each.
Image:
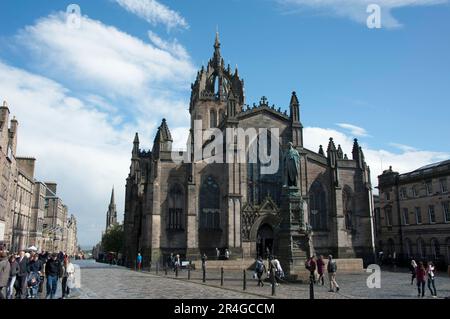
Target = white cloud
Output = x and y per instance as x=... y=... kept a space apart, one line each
x=353 y=129
x=404 y=147
x=407 y=160
x=104 y=57
x=356 y=9
x=154 y=12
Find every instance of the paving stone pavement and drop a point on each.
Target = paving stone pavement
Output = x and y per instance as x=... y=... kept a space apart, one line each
x=100 y=281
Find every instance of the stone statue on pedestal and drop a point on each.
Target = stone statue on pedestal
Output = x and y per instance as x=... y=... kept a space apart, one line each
x=291 y=166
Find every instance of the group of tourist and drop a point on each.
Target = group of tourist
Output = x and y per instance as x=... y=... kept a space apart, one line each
x=423 y=273
x=316 y=267
x=22 y=275
x=275 y=273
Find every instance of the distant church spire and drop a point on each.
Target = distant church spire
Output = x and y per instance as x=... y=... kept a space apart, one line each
x=111 y=215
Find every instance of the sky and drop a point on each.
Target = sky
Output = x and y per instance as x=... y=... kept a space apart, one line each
x=81 y=88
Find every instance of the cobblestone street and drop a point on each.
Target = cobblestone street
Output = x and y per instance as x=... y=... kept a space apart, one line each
x=100 y=281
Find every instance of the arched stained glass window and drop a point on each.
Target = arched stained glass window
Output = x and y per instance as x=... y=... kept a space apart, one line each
x=317 y=207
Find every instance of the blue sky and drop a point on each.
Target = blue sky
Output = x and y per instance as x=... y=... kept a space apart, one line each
x=80 y=94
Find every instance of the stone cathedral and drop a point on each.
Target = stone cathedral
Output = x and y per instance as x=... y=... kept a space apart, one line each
x=193 y=208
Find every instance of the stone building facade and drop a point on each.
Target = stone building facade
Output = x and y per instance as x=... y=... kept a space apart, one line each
x=23 y=202
x=8 y=172
x=412 y=216
x=197 y=206
x=30 y=212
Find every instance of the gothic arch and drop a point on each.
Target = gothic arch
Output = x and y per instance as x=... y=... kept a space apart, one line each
x=348 y=206
x=260 y=186
x=317 y=206
x=176 y=208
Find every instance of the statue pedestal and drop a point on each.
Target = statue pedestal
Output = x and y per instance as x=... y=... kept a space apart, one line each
x=293 y=243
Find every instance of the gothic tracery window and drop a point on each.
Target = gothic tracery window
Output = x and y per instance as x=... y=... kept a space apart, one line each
x=175 y=215
x=260 y=185
x=210 y=205
x=317 y=207
x=347 y=204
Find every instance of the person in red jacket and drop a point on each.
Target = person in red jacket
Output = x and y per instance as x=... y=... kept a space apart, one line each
x=320 y=266
x=420 y=279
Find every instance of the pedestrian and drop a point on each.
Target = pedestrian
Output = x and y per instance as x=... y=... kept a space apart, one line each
x=43 y=257
x=53 y=271
x=68 y=277
x=332 y=268
x=22 y=276
x=14 y=270
x=139 y=262
x=217 y=253
x=260 y=269
x=311 y=265
x=431 y=276
x=420 y=279
x=5 y=269
x=227 y=254
x=204 y=259
x=412 y=268
x=177 y=263
x=320 y=265
x=272 y=272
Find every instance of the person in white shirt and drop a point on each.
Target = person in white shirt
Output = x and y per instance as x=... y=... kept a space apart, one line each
x=68 y=277
x=431 y=275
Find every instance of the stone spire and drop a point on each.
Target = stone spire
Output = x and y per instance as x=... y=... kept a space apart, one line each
x=136 y=145
x=340 y=153
x=111 y=215
x=321 y=152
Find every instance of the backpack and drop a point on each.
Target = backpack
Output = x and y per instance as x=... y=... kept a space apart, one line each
x=308 y=264
x=259 y=266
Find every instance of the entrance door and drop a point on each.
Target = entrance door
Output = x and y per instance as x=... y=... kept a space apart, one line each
x=264 y=242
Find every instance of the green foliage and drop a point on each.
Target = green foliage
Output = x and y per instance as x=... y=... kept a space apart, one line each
x=113 y=239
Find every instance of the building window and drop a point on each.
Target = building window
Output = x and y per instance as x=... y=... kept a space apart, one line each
x=405 y=216
x=403 y=193
x=260 y=185
x=414 y=191
x=421 y=251
x=444 y=187
x=429 y=187
x=431 y=214
x=175 y=217
x=210 y=205
x=408 y=248
x=347 y=204
x=388 y=213
x=446 y=211
x=418 y=215
x=317 y=207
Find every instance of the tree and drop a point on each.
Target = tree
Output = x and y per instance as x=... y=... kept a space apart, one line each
x=113 y=239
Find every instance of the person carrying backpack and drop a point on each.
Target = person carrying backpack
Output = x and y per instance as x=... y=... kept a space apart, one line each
x=332 y=268
x=259 y=270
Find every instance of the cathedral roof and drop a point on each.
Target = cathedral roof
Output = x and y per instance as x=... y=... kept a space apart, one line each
x=163 y=134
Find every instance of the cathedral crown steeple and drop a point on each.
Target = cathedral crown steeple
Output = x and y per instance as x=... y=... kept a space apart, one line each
x=111 y=214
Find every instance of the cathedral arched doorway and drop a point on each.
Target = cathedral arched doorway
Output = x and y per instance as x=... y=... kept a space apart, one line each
x=265 y=241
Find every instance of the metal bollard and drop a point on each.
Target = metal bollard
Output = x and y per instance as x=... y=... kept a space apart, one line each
x=165 y=271
x=204 y=274
x=157 y=268
x=245 y=280
x=221 y=276
x=274 y=292
x=311 y=287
